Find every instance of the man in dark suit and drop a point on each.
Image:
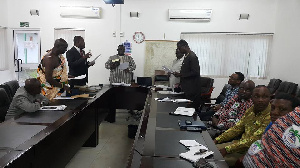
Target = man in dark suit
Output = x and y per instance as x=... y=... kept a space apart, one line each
x=189 y=73
x=77 y=61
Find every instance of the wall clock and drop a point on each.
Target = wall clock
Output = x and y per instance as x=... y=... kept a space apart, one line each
x=139 y=37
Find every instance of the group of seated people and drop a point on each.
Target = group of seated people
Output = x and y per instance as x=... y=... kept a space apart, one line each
x=252 y=130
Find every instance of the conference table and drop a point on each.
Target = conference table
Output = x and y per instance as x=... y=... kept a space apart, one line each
x=52 y=138
x=157 y=144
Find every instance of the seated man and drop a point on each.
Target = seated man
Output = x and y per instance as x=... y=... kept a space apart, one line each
x=234 y=81
x=279 y=146
x=27 y=99
x=251 y=127
x=234 y=110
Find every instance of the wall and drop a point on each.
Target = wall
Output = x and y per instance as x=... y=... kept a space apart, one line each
x=153 y=22
x=286 y=42
x=3 y=13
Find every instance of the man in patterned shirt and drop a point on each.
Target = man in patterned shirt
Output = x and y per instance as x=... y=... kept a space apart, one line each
x=280 y=145
x=234 y=110
x=251 y=127
x=117 y=74
x=234 y=81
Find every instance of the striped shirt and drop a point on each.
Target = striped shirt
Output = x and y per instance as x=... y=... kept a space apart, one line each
x=118 y=75
x=280 y=145
x=232 y=112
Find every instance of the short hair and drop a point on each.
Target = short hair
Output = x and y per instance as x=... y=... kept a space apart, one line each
x=60 y=42
x=289 y=97
x=262 y=86
x=77 y=39
x=121 y=45
x=241 y=76
x=182 y=43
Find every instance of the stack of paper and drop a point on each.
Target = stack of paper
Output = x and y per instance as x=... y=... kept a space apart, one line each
x=185 y=111
x=61 y=107
x=181 y=100
x=166 y=99
x=121 y=84
x=194 y=153
x=169 y=92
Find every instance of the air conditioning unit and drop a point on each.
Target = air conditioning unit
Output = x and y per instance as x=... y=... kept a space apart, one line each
x=80 y=12
x=190 y=14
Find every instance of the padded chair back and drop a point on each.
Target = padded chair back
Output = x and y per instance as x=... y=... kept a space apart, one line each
x=8 y=91
x=13 y=85
x=287 y=87
x=273 y=85
x=4 y=104
x=160 y=75
x=206 y=84
x=221 y=96
x=144 y=81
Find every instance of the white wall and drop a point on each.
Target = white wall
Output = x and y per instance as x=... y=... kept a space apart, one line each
x=153 y=22
x=286 y=56
x=3 y=13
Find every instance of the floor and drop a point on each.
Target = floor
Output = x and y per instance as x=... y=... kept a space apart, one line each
x=113 y=149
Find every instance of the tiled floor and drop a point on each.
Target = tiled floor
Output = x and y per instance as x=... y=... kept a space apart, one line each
x=113 y=149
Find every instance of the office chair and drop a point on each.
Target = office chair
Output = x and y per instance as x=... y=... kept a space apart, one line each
x=161 y=77
x=273 y=85
x=287 y=87
x=4 y=104
x=13 y=86
x=144 y=81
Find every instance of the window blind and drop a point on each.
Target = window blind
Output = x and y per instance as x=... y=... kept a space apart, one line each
x=221 y=54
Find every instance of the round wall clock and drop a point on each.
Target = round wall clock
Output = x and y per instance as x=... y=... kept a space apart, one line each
x=139 y=37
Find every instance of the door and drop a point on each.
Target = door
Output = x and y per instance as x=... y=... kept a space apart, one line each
x=27 y=54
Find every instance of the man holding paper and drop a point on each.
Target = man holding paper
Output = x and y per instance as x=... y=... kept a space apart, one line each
x=176 y=67
x=120 y=66
x=77 y=61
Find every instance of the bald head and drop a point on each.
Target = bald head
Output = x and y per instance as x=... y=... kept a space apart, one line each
x=246 y=89
x=33 y=86
x=60 y=46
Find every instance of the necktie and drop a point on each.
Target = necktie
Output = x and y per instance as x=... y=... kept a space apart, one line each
x=81 y=52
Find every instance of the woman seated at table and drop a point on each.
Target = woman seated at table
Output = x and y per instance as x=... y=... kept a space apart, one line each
x=52 y=71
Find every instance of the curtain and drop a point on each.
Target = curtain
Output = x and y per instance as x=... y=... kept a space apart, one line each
x=68 y=35
x=220 y=54
x=3 y=49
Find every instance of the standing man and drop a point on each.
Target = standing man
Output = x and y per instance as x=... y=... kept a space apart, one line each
x=190 y=72
x=176 y=67
x=120 y=66
x=77 y=61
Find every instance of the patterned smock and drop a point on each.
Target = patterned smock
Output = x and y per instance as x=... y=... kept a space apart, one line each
x=59 y=74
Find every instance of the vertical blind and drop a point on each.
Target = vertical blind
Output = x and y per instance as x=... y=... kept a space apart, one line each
x=3 y=50
x=68 y=35
x=220 y=54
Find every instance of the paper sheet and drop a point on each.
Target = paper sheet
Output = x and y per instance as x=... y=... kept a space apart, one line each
x=185 y=111
x=96 y=58
x=54 y=108
x=167 y=69
x=124 y=65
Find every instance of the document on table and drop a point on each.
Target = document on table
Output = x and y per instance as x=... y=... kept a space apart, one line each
x=54 y=108
x=124 y=65
x=78 y=77
x=184 y=111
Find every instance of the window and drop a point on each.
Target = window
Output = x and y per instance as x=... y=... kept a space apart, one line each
x=221 y=54
x=3 y=50
x=68 y=34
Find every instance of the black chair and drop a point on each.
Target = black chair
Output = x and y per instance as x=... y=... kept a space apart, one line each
x=206 y=85
x=144 y=81
x=287 y=87
x=273 y=85
x=13 y=86
x=4 y=104
x=160 y=76
x=8 y=91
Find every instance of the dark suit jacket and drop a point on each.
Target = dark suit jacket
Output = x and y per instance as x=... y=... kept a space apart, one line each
x=190 y=76
x=77 y=64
